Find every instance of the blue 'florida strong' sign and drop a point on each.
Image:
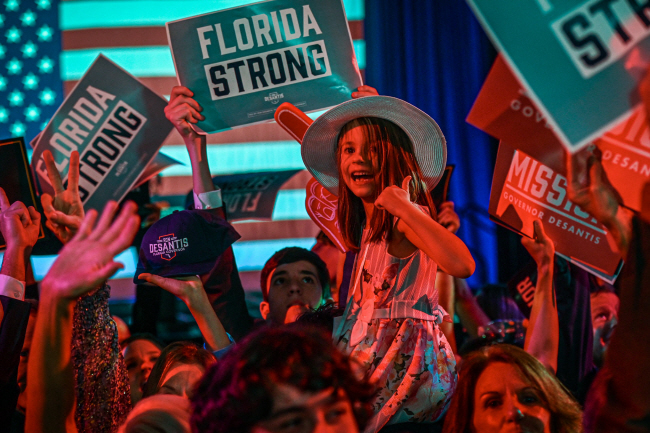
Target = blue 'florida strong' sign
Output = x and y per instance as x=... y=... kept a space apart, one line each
x=581 y=60
x=241 y=62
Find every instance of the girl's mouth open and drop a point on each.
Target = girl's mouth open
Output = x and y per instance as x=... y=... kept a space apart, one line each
x=362 y=176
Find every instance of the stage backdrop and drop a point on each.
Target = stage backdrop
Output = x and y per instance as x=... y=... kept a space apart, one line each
x=435 y=55
x=47 y=45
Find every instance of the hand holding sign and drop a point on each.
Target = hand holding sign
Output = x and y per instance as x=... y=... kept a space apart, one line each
x=541 y=248
x=363 y=91
x=65 y=211
x=599 y=198
x=183 y=111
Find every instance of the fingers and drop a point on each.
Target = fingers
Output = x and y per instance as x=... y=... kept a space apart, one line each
x=121 y=233
x=538 y=231
x=73 y=172
x=70 y=221
x=86 y=227
x=107 y=271
x=180 y=90
x=184 y=112
x=447 y=205
x=53 y=172
x=154 y=279
x=595 y=173
x=406 y=185
x=34 y=215
x=4 y=201
x=48 y=204
x=105 y=220
x=190 y=102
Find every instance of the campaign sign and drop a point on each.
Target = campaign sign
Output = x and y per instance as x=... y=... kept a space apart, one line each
x=523 y=190
x=115 y=122
x=251 y=195
x=503 y=110
x=626 y=159
x=15 y=177
x=580 y=59
x=242 y=62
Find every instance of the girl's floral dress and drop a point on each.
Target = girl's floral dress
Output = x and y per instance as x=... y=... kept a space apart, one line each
x=393 y=333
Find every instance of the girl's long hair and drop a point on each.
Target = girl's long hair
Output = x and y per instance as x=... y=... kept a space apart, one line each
x=396 y=160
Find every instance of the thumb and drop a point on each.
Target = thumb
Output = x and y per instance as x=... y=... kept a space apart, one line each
x=406 y=185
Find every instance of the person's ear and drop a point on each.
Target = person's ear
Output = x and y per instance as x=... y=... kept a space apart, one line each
x=264 y=309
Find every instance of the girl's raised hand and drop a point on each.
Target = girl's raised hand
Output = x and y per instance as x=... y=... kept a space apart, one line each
x=363 y=91
x=183 y=111
x=394 y=199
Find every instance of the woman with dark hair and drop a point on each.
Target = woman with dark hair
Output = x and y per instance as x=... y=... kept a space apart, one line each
x=178 y=369
x=502 y=387
x=282 y=379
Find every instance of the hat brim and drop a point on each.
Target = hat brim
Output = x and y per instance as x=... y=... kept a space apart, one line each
x=321 y=139
x=174 y=271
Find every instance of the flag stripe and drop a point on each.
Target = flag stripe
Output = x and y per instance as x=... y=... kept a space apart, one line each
x=139 y=36
x=181 y=185
x=251 y=255
x=240 y=158
x=76 y=15
x=147 y=61
x=277 y=230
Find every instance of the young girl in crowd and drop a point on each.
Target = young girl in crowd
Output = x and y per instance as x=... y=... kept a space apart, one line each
x=361 y=151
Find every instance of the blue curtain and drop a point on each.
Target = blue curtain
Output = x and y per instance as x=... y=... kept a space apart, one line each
x=435 y=55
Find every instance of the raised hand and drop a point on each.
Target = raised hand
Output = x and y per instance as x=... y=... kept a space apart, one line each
x=448 y=218
x=64 y=211
x=183 y=111
x=541 y=247
x=190 y=290
x=19 y=224
x=598 y=196
x=363 y=91
x=393 y=198
x=86 y=261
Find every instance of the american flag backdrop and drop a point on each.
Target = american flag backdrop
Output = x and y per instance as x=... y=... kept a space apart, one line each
x=47 y=45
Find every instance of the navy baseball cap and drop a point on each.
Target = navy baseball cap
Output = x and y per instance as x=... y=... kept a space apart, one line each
x=187 y=242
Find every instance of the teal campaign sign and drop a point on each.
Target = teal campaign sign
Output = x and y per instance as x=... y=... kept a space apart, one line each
x=115 y=122
x=242 y=62
x=581 y=60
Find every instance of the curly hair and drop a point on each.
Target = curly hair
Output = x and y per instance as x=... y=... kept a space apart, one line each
x=180 y=352
x=565 y=411
x=237 y=392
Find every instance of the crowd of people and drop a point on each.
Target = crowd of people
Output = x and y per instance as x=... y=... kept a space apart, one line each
x=358 y=345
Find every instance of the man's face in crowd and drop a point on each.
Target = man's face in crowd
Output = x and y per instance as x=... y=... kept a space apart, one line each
x=293 y=288
x=604 y=317
x=139 y=358
x=296 y=411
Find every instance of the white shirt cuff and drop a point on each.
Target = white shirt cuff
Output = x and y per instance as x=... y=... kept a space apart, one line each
x=12 y=288
x=208 y=200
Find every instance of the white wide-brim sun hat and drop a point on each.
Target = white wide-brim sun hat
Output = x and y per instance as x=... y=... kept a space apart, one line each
x=321 y=139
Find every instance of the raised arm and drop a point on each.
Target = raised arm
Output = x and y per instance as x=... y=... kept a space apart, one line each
x=543 y=334
x=84 y=263
x=183 y=111
x=190 y=291
x=442 y=246
x=19 y=226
